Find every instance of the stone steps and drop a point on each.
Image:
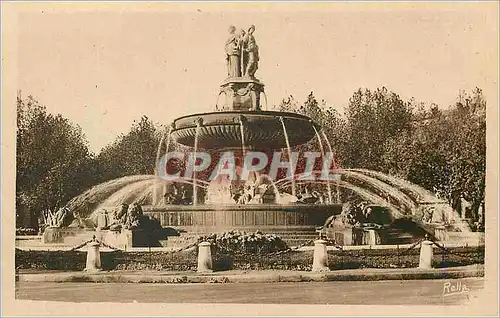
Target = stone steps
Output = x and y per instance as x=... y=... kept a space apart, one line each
x=397 y=236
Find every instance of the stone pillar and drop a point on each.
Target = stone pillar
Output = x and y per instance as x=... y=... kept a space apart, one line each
x=425 y=255
x=320 y=257
x=372 y=237
x=204 y=258
x=102 y=220
x=93 y=257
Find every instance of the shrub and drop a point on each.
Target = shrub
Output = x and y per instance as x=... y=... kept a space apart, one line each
x=239 y=242
x=25 y=231
x=290 y=260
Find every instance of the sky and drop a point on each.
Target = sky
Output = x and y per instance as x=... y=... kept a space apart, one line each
x=105 y=66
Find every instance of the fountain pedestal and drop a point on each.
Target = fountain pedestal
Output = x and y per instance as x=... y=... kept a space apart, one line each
x=242 y=93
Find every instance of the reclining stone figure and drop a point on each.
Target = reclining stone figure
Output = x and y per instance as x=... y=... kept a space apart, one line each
x=119 y=218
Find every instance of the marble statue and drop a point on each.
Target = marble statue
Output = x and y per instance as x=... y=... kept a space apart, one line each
x=119 y=218
x=233 y=53
x=242 y=53
x=251 y=53
x=134 y=215
x=61 y=218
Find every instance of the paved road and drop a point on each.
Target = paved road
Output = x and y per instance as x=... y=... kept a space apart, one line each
x=409 y=292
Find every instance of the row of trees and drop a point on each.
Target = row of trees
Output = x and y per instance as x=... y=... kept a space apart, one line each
x=54 y=163
x=442 y=150
x=53 y=160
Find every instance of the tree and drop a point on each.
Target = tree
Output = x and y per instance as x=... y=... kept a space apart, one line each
x=467 y=156
x=133 y=153
x=372 y=118
x=445 y=151
x=327 y=118
x=53 y=161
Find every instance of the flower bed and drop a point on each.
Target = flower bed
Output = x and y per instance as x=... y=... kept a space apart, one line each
x=235 y=242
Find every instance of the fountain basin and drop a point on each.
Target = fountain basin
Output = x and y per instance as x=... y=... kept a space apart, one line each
x=261 y=128
x=209 y=218
x=294 y=223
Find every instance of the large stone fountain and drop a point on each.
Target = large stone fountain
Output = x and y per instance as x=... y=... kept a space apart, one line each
x=196 y=204
x=192 y=205
x=240 y=125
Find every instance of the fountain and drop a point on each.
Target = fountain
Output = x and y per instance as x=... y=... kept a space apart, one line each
x=198 y=204
x=241 y=124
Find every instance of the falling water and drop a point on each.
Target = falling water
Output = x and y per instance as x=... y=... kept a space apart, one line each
x=155 y=194
x=158 y=152
x=418 y=194
x=368 y=196
x=167 y=141
x=217 y=101
x=323 y=154
x=167 y=146
x=292 y=173
x=195 y=189
x=265 y=97
x=242 y=131
x=331 y=151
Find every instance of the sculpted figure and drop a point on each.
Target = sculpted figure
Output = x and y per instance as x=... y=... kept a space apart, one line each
x=62 y=217
x=233 y=54
x=119 y=218
x=134 y=215
x=77 y=221
x=49 y=218
x=251 y=50
x=243 y=53
x=428 y=214
x=318 y=198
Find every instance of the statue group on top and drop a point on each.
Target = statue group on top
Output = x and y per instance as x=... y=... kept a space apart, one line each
x=242 y=53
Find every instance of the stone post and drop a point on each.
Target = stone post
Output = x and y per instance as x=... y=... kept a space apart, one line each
x=425 y=255
x=204 y=258
x=320 y=257
x=93 y=257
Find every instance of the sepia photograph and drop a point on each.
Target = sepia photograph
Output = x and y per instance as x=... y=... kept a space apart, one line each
x=249 y=158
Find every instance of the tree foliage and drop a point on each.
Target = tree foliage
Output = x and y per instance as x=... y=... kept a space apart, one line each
x=442 y=150
x=53 y=160
x=133 y=153
x=445 y=151
x=372 y=118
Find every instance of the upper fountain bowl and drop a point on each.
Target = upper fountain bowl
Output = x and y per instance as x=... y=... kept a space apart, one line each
x=261 y=129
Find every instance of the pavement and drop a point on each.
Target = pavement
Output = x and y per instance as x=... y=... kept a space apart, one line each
x=467 y=291
x=249 y=276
